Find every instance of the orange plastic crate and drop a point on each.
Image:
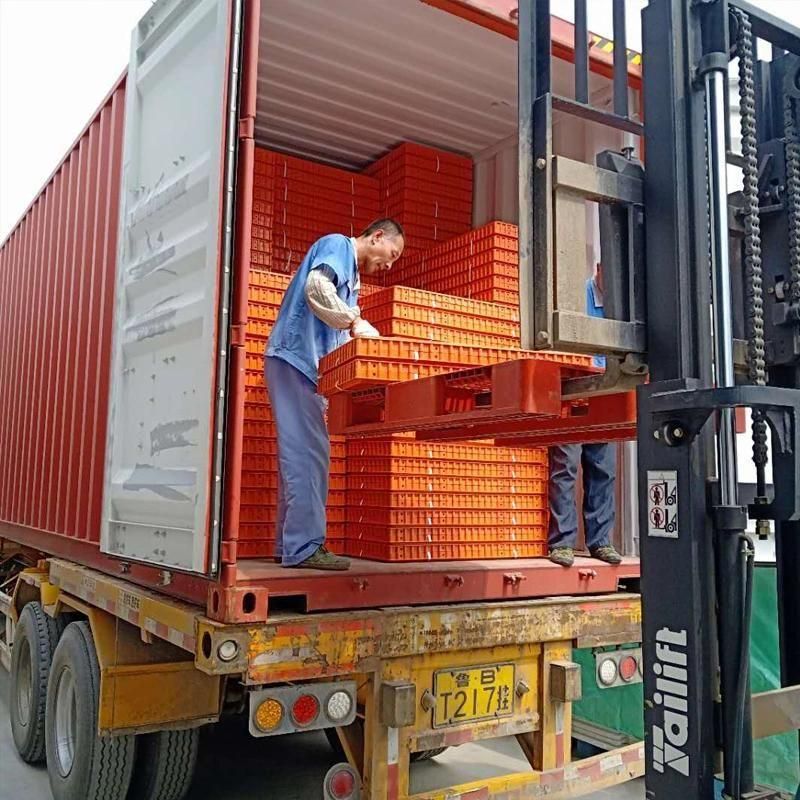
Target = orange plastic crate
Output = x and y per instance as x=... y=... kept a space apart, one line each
x=265 y=548
x=485 y=452
x=443 y=517
x=446 y=320
x=452 y=468
x=455 y=500
x=416 y=352
x=267 y=497
x=434 y=333
x=269 y=481
x=260 y=295
x=269 y=280
x=438 y=302
x=381 y=551
x=267 y=513
x=449 y=535
x=393 y=482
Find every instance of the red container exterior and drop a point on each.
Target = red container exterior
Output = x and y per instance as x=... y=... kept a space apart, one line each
x=57 y=270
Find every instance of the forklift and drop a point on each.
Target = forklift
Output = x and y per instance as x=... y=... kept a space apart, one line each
x=703 y=313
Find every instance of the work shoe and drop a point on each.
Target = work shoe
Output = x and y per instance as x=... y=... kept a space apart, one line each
x=324 y=559
x=563 y=556
x=606 y=553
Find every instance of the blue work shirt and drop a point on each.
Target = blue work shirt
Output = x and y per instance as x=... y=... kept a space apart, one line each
x=299 y=337
x=594 y=308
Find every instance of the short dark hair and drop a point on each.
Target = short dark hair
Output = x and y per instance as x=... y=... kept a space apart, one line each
x=389 y=226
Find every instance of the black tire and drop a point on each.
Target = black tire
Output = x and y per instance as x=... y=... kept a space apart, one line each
x=333 y=740
x=427 y=755
x=336 y=746
x=96 y=768
x=35 y=639
x=165 y=763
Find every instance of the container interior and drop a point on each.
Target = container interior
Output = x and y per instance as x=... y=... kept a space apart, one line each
x=343 y=84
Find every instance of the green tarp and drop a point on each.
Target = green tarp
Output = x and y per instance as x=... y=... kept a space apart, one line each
x=776 y=758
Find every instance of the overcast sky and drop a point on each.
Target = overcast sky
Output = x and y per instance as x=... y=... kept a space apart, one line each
x=59 y=58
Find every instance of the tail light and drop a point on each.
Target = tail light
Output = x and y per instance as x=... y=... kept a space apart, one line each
x=305 y=710
x=619 y=667
x=341 y=783
x=628 y=667
x=286 y=709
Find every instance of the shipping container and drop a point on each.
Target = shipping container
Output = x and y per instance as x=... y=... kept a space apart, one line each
x=124 y=294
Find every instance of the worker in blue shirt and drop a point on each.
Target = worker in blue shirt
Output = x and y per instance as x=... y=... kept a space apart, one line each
x=599 y=463
x=318 y=312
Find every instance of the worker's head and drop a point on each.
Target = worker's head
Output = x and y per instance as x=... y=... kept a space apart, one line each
x=381 y=243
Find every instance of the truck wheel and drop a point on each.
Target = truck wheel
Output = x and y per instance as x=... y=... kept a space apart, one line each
x=164 y=766
x=336 y=746
x=35 y=640
x=80 y=764
x=427 y=755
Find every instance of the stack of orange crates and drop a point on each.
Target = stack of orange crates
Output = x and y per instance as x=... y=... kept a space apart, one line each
x=260 y=459
x=421 y=501
x=417 y=314
x=482 y=264
x=396 y=498
x=428 y=191
x=304 y=201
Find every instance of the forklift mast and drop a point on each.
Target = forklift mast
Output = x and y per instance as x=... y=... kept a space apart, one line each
x=707 y=307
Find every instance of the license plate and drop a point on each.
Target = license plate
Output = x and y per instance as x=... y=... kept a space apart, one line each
x=473 y=694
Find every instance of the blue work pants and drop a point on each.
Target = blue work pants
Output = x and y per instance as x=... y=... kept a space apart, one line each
x=599 y=472
x=303 y=461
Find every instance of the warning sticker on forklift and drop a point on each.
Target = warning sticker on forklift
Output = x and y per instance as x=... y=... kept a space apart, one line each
x=662 y=503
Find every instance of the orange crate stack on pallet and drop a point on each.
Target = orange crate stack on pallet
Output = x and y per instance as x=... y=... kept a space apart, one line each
x=482 y=264
x=396 y=499
x=366 y=363
x=415 y=314
x=260 y=460
x=415 y=501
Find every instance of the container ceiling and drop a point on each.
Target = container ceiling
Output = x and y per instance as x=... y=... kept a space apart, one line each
x=344 y=81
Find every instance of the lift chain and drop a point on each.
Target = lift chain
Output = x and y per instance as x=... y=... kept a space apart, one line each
x=752 y=231
x=793 y=198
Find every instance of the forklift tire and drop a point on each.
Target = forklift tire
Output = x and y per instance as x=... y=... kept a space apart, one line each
x=336 y=746
x=80 y=764
x=35 y=639
x=165 y=764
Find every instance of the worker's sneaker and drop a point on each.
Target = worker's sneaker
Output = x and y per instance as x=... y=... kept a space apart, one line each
x=324 y=559
x=606 y=553
x=564 y=556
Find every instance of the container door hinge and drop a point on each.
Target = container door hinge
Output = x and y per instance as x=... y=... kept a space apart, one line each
x=238 y=333
x=247 y=127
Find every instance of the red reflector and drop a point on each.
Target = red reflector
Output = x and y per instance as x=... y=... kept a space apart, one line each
x=627 y=668
x=342 y=784
x=305 y=709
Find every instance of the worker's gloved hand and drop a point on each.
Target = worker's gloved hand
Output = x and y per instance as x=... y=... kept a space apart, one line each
x=361 y=329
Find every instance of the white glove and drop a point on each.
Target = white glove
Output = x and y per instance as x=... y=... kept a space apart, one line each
x=361 y=329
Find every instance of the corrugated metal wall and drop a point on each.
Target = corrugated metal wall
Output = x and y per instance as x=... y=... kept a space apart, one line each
x=56 y=302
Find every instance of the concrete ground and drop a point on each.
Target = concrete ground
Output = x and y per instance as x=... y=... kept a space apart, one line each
x=234 y=766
